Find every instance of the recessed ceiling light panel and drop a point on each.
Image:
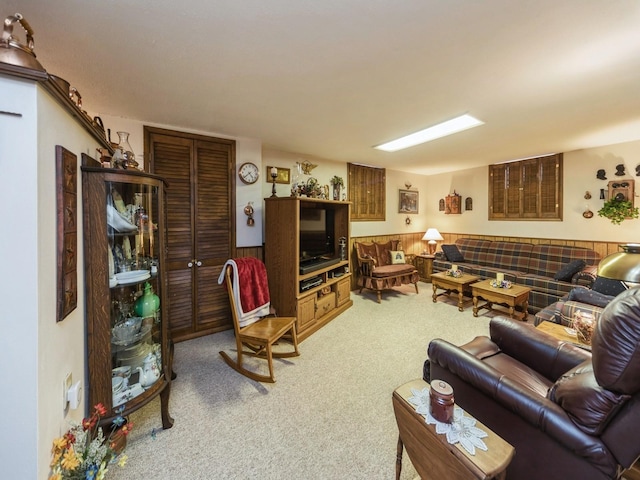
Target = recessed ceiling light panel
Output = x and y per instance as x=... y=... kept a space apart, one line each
x=443 y=129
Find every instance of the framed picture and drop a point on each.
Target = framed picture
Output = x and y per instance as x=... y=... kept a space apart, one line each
x=408 y=201
x=284 y=175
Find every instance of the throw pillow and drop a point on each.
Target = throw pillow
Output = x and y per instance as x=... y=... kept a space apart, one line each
x=397 y=256
x=569 y=270
x=586 y=295
x=608 y=286
x=588 y=404
x=452 y=253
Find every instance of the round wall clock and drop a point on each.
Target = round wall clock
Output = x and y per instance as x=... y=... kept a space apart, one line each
x=248 y=173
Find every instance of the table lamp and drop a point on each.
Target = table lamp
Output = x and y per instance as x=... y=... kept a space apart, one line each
x=624 y=266
x=432 y=235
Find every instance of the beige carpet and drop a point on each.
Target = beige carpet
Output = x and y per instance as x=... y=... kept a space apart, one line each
x=329 y=416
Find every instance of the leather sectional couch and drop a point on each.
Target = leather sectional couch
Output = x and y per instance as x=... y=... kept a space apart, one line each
x=531 y=265
x=570 y=414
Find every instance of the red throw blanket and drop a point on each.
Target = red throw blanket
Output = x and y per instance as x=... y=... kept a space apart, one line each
x=250 y=288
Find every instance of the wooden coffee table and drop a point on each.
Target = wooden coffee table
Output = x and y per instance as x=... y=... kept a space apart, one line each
x=434 y=457
x=516 y=296
x=452 y=284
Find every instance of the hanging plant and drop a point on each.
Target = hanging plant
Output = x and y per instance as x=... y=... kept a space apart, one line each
x=618 y=210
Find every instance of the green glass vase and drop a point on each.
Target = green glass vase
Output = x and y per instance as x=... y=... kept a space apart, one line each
x=148 y=303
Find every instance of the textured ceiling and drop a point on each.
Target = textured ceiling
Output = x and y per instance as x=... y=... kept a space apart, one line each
x=333 y=78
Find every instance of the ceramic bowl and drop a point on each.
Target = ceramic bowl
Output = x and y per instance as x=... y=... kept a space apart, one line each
x=124 y=372
x=126 y=331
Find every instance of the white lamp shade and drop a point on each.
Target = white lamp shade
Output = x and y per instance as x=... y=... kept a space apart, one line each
x=432 y=234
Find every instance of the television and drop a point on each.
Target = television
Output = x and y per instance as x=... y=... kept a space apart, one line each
x=317 y=233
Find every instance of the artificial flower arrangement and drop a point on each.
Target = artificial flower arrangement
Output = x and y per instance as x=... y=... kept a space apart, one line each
x=84 y=453
x=500 y=283
x=454 y=273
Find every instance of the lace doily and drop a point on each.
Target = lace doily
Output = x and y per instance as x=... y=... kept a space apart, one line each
x=462 y=430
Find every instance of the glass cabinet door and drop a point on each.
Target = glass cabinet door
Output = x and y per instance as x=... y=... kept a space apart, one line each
x=136 y=335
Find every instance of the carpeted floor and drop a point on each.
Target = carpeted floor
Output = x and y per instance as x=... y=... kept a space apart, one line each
x=328 y=416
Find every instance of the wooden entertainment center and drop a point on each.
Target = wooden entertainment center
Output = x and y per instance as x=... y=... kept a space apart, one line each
x=316 y=292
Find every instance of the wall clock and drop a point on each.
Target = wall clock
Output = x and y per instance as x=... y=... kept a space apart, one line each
x=248 y=173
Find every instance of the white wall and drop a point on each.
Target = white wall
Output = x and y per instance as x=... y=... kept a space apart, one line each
x=37 y=352
x=580 y=168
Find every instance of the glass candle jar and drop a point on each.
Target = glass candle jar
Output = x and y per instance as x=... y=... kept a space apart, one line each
x=442 y=401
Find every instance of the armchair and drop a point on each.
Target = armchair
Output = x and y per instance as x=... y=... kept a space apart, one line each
x=378 y=271
x=570 y=413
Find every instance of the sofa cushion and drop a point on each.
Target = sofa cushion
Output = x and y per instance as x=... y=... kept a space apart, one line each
x=588 y=404
x=546 y=260
x=392 y=270
x=452 y=253
x=383 y=251
x=397 y=257
x=589 y=296
x=567 y=272
x=608 y=286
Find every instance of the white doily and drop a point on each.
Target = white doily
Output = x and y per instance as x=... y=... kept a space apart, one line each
x=462 y=429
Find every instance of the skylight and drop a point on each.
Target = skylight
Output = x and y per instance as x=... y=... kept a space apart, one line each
x=455 y=125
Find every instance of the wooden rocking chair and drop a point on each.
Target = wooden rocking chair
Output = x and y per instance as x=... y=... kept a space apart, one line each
x=258 y=336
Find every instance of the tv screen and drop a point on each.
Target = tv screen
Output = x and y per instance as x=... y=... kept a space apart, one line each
x=316 y=233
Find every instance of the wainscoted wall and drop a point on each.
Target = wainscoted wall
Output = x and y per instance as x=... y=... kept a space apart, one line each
x=413 y=243
x=255 y=252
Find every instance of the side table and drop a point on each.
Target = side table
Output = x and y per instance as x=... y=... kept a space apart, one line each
x=424 y=265
x=431 y=454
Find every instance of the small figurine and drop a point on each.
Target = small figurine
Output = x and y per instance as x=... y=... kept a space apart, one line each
x=601 y=175
x=620 y=170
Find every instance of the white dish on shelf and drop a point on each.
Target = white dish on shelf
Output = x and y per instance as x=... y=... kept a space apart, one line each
x=134 y=276
x=117 y=221
x=116 y=384
x=113 y=282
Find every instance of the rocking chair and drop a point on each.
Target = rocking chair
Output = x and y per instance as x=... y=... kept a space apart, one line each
x=253 y=329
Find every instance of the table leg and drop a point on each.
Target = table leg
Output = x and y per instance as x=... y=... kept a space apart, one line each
x=460 y=300
x=525 y=308
x=511 y=310
x=399 y=458
x=434 y=293
x=475 y=305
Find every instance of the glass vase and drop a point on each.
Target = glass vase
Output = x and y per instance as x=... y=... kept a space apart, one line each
x=123 y=156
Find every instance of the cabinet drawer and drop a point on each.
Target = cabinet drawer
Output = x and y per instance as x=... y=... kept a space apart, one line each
x=325 y=304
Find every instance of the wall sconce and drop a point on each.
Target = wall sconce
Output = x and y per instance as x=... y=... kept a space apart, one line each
x=248 y=211
x=407 y=184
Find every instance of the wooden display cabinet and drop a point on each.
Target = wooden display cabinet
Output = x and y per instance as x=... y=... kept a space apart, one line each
x=124 y=241
x=317 y=294
x=424 y=265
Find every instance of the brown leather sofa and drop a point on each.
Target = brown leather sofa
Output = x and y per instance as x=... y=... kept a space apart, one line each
x=569 y=413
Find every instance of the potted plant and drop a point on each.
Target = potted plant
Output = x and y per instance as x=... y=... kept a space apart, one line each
x=618 y=210
x=337 y=183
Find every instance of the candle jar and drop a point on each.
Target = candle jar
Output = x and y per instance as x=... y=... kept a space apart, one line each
x=442 y=401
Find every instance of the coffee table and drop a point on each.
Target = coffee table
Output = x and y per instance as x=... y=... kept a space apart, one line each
x=516 y=296
x=434 y=457
x=452 y=284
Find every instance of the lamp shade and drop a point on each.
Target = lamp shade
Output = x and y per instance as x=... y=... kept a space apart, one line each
x=432 y=234
x=624 y=266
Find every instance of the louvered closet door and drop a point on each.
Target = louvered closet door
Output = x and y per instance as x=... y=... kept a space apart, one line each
x=199 y=225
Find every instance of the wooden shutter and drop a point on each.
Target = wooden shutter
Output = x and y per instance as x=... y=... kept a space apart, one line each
x=367 y=192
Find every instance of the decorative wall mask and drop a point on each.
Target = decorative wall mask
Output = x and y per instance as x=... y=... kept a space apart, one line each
x=620 y=170
x=601 y=175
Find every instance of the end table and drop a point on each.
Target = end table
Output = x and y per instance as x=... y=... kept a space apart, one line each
x=431 y=454
x=424 y=265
